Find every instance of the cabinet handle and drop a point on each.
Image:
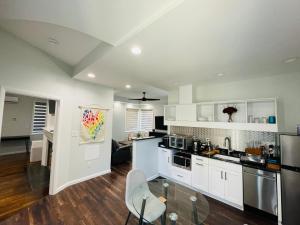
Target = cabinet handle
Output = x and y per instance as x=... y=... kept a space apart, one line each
x=225 y=175
x=199 y=164
x=168 y=159
x=179 y=175
x=164 y=150
x=199 y=159
x=222 y=175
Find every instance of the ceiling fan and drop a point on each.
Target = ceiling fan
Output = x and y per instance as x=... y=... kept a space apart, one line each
x=144 y=99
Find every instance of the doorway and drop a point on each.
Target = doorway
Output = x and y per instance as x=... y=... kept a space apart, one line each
x=28 y=140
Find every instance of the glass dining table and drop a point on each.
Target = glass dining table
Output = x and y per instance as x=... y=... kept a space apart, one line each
x=183 y=205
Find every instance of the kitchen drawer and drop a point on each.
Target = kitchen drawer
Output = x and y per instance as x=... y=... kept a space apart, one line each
x=181 y=175
x=199 y=159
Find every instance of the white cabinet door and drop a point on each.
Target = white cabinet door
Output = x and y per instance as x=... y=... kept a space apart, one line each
x=216 y=181
x=181 y=175
x=234 y=186
x=200 y=176
x=164 y=161
x=170 y=112
x=186 y=112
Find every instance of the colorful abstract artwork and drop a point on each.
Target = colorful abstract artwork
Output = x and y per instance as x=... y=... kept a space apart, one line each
x=92 y=125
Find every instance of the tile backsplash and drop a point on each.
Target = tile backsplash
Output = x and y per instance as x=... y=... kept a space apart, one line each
x=239 y=139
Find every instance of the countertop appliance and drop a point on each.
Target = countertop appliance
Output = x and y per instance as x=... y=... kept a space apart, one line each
x=290 y=178
x=182 y=160
x=180 y=142
x=260 y=189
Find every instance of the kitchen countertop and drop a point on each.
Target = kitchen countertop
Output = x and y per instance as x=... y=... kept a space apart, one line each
x=261 y=167
x=143 y=138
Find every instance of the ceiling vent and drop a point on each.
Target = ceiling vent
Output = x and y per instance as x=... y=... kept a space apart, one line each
x=11 y=99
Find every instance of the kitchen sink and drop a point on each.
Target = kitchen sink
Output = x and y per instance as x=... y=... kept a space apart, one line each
x=226 y=157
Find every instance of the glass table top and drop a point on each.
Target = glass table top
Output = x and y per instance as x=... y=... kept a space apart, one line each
x=186 y=206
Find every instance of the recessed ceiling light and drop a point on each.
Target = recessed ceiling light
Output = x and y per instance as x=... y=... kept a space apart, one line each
x=128 y=86
x=290 y=60
x=220 y=74
x=52 y=40
x=136 y=50
x=91 y=75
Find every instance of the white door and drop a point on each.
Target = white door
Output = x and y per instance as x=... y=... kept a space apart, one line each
x=216 y=181
x=234 y=187
x=200 y=176
x=164 y=161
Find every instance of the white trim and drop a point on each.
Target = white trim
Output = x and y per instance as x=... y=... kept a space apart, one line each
x=76 y=181
x=12 y=153
x=153 y=177
x=54 y=170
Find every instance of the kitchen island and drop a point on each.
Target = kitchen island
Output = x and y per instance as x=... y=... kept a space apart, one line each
x=144 y=156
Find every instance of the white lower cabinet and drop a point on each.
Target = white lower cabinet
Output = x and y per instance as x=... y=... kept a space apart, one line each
x=181 y=175
x=164 y=161
x=200 y=171
x=226 y=181
x=234 y=187
x=216 y=182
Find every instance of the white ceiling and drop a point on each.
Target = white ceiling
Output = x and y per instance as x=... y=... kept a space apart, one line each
x=199 y=39
x=182 y=41
x=73 y=46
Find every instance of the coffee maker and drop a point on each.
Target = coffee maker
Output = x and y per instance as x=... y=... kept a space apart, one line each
x=196 y=144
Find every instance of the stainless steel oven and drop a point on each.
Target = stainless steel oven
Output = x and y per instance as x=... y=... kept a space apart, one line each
x=182 y=160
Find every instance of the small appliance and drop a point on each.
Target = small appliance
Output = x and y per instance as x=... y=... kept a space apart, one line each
x=180 y=142
x=182 y=160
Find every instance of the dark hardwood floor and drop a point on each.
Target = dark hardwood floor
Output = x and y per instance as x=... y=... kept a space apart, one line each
x=100 y=201
x=15 y=189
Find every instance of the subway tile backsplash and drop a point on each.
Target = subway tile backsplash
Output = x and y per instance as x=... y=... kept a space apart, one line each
x=240 y=139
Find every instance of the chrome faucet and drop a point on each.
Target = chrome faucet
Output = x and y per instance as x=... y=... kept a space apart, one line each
x=229 y=144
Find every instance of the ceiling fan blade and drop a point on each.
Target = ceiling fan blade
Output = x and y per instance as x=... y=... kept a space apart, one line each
x=152 y=99
x=136 y=99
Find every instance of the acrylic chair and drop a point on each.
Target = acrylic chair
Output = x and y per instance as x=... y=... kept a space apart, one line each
x=153 y=208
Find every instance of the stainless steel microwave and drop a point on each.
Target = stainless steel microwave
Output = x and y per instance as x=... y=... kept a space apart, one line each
x=180 y=142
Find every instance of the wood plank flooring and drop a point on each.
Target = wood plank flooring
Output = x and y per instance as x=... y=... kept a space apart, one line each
x=100 y=201
x=15 y=191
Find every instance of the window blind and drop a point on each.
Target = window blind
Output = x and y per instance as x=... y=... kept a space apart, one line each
x=39 y=117
x=146 y=122
x=132 y=119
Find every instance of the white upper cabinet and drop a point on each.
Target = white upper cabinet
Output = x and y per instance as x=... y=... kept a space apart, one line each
x=252 y=115
x=186 y=112
x=170 y=113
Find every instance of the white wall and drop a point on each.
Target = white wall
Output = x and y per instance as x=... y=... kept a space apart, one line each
x=2 y=97
x=284 y=87
x=17 y=117
x=118 y=132
x=25 y=69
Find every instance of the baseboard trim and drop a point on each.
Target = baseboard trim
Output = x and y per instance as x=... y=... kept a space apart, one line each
x=153 y=177
x=76 y=181
x=12 y=153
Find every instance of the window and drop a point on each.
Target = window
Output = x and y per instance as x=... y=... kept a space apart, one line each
x=39 y=117
x=132 y=119
x=146 y=121
x=139 y=119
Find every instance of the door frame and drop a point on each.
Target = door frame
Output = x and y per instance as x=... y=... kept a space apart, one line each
x=55 y=154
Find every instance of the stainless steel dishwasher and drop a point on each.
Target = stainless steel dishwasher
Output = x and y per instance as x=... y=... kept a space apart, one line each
x=260 y=189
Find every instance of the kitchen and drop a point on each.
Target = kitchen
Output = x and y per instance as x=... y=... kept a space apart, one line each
x=244 y=162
